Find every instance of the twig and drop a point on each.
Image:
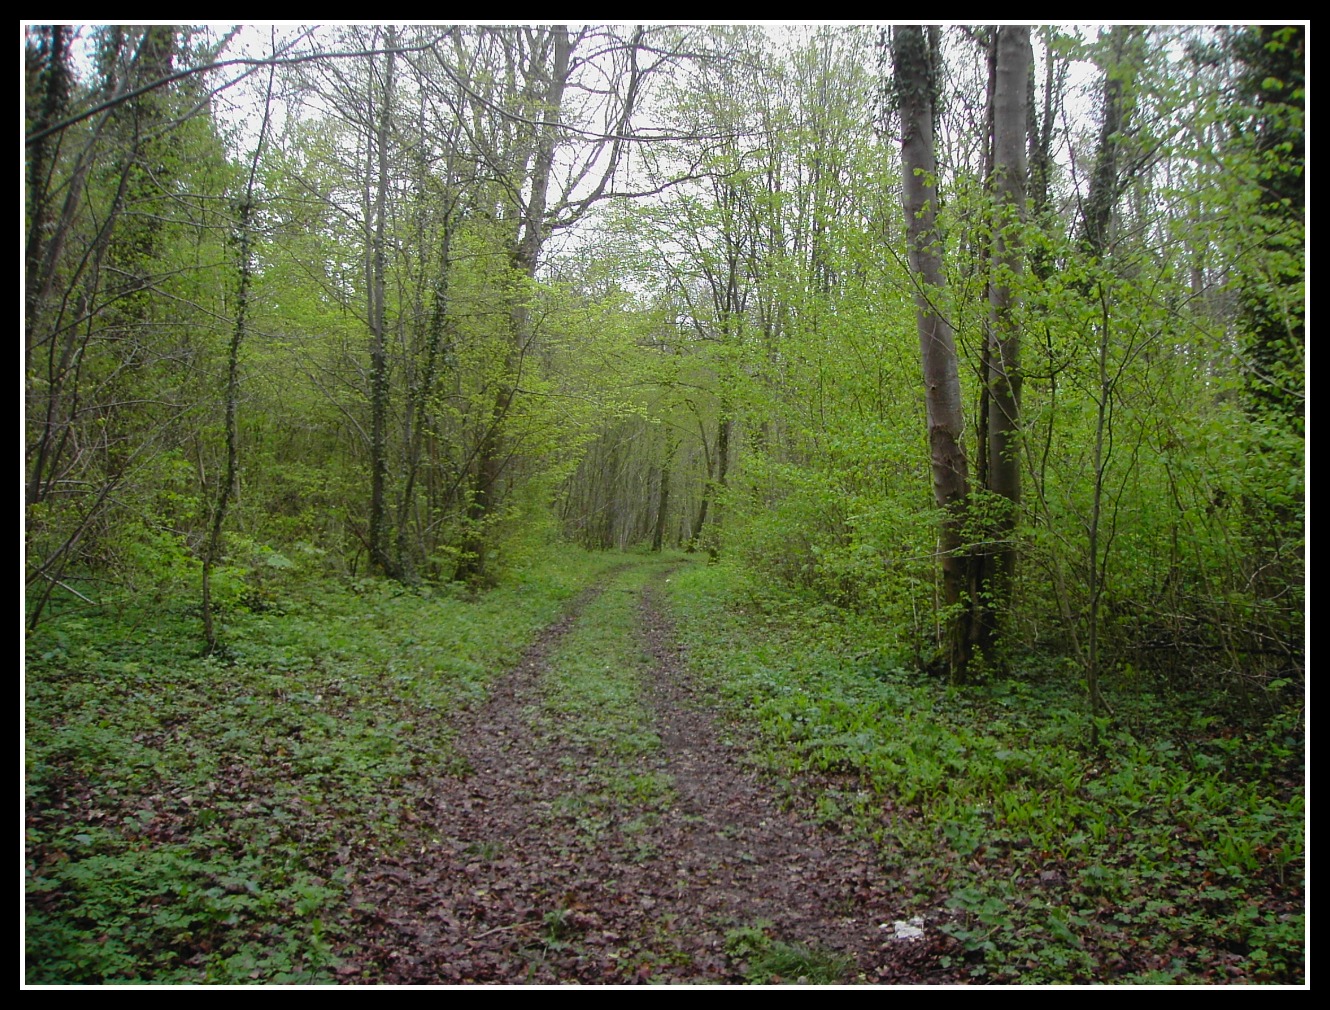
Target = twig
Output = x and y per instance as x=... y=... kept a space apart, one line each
x=496 y=929
x=91 y=603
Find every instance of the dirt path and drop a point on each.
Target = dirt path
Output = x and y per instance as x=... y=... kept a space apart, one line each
x=562 y=855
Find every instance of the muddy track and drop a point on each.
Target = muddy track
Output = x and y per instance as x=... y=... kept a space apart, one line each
x=519 y=870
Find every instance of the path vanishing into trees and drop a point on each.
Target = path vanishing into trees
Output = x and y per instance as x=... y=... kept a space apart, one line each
x=601 y=824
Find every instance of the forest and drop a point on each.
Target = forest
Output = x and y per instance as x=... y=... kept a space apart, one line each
x=655 y=503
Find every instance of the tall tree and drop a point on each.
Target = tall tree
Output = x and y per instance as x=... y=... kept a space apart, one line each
x=1270 y=140
x=914 y=60
x=244 y=242
x=518 y=135
x=376 y=287
x=545 y=63
x=1010 y=102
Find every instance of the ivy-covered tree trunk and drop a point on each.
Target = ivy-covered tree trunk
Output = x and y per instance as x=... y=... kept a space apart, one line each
x=51 y=75
x=1107 y=182
x=1270 y=235
x=213 y=550
x=1271 y=284
x=437 y=350
x=244 y=238
x=379 y=556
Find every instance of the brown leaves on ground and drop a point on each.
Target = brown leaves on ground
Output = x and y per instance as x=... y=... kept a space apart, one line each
x=518 y=872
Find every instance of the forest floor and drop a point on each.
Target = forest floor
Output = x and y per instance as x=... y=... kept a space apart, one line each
x=550 y=782
x=606 y=827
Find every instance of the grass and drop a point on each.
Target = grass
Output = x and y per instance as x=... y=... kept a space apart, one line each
x=765 y=960
x=1176 y=853
x=593 y=702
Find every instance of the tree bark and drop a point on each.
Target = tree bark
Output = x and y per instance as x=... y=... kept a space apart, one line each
x=1002 y=361
x=663 y=497
x=1106 y=183
x=53 y=77
x=914 y=75
x=722 y=473
x=1273 y=83
x=245 y=272
x=212 y=553
x=378 y=507
x=419 y=402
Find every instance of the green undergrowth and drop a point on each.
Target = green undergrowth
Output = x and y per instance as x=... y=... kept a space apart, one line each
x=1175 y=854
x=190 y=817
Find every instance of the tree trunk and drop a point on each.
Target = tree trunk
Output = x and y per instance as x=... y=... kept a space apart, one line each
x=52 y=85
x=1041 y=149
x=378 y=506
x=418 y=405
x=663 y=498
x=1002 y=361
x=722 y=474
x=212 y=552
x=1106 y=184
x=914 y=75
x=1273 y=82
x=245 y=237
x=526 y=248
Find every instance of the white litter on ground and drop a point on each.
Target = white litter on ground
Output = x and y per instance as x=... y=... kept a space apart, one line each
x=902 y=929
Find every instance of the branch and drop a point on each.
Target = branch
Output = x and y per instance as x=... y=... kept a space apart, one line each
x=248 y=62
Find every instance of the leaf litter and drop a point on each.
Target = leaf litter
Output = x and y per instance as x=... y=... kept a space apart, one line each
x=519 y=870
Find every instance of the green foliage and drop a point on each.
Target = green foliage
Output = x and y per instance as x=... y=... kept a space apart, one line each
x=583 y=387
x=1180 y=845
x=832 y=532
x=189 y=818
x=113 y=396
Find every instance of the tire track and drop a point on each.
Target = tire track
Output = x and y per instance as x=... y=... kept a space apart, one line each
x=527 y=867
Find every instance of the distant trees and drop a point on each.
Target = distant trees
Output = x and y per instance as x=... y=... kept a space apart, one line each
x=468 y=160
